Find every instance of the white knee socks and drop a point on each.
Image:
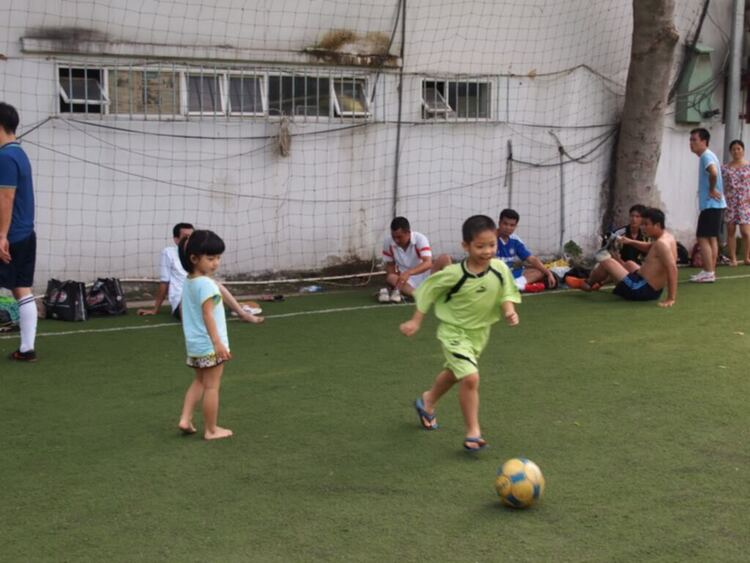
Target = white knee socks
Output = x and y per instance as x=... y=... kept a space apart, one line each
x=28 y=314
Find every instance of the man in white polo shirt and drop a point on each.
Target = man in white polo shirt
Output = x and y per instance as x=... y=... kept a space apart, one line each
x=408 y=261
x=171 y=274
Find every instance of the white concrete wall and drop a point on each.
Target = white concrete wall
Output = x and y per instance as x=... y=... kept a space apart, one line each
x=677 y=176
x=107 y=198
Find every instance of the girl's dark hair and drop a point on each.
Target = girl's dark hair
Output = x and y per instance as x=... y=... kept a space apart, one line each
x=737 y=142
x=477 y=224
x=199 y=243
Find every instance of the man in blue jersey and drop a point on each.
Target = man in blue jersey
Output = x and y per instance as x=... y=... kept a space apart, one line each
x=511 y=250
x=17 y=237
x=712 y=204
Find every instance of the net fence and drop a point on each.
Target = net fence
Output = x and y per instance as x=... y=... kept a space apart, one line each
x=297 y=129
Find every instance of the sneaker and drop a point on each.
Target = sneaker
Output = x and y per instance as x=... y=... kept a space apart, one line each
x=534 y=287
x=574 y=283
x=383 y=296
x=19 y=356
x=709 y=277
x=395 y=296
x=703 y=277
x=701 y=274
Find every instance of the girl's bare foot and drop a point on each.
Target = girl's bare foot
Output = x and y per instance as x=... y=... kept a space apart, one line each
x=186 y=428
x=217 y=434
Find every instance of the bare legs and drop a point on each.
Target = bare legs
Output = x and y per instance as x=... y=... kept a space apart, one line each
x=438 y=264
x=709 y=252
x=468 y=398
x=206 y=385
x=610 y=269
x=732 y=243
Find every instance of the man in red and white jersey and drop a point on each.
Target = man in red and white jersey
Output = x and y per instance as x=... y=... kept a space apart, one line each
x=408 y=261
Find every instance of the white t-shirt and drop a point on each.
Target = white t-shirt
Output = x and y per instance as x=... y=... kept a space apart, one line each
x=172 y=272
x=411 y=257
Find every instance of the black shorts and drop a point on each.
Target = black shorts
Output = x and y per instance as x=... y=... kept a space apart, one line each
x=20 y=271
x=709 y=223
x=634 y=288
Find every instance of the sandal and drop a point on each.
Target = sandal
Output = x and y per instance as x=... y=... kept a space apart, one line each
x=480 y=444
x=427 y=420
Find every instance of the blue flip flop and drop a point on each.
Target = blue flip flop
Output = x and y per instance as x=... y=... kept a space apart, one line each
x=481 y=444
x=427 y=420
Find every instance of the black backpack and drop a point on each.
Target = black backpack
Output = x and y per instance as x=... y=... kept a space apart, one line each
x=683 y=256
x=65 y=301
x=106 y=298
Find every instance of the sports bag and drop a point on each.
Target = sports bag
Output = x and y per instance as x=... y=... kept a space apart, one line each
x=106 y=298
x=65 y=300
x=9 y=314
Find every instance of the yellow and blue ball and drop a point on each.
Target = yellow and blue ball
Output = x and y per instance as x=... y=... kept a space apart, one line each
x=519 y=482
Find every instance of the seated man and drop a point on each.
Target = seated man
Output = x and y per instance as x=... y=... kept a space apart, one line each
x=408 y=261
x=642 y=283
x=172 y=276
x=171 y=273
x=633 y=231
x=512 y=251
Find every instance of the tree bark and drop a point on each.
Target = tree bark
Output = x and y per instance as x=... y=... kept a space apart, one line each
x=639 y=141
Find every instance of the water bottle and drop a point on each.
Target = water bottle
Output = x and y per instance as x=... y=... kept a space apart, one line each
x=311 y=289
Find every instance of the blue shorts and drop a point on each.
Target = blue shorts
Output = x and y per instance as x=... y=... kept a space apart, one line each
x=20 y=271
x=634 y=288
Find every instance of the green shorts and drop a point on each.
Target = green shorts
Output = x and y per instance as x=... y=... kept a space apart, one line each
x=462 y=348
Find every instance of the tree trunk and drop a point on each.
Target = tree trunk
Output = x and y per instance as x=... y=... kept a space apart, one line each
x=639 y=141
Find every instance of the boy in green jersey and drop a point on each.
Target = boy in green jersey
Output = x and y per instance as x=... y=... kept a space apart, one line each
x=469 y=297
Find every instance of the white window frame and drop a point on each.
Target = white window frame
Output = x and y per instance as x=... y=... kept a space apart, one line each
x=222 y=78
x=179 y=112
x=102 y=83
x=302 y=74
x=427 y=108
x=263 y=77
x=451 y=113
x=335 y=96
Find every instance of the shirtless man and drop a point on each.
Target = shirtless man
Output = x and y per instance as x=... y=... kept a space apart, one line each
x=643 y=282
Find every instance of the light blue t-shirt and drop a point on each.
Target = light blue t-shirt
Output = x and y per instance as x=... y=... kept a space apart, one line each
x=707 y=159
x=195 y=292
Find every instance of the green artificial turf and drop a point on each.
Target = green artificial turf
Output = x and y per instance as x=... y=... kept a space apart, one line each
x=638 y=417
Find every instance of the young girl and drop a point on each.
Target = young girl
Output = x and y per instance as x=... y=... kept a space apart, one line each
x=205 y=328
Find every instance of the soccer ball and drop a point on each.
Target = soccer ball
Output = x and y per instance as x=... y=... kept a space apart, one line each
x=519 y=482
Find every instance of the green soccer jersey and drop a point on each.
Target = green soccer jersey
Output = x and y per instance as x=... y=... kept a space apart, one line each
x=465 y=299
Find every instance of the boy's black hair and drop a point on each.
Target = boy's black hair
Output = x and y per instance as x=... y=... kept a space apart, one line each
x=702 y=133
x=400 y=223
x=8 y=118
x=179 y=226
x=638 y=208
x=510 y=214
x=656 y=216
x=199 y=243
x=737 y=142
x=477 y=224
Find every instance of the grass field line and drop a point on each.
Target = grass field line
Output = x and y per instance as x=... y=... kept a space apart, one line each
x=283 y=315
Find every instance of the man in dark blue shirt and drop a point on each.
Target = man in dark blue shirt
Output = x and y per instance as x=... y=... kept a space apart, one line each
x=17 y=237
x=528 y=271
